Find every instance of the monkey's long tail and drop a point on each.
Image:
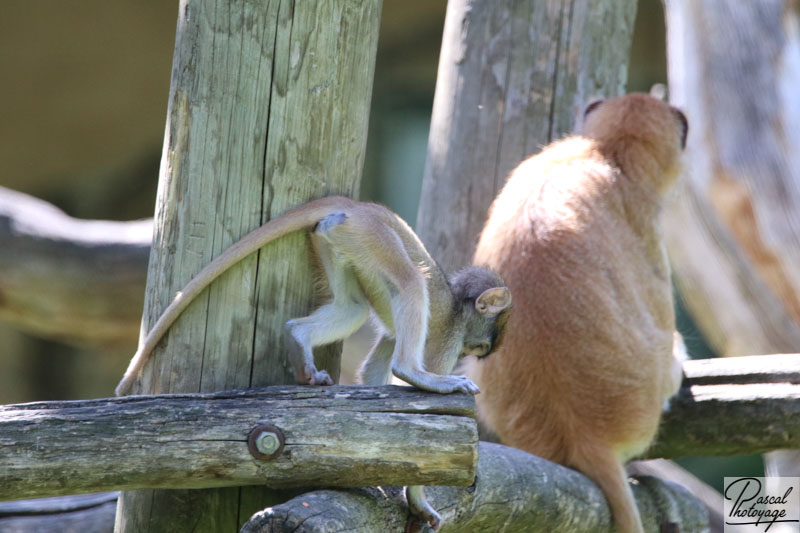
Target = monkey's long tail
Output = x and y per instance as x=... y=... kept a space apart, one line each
x=609 y=473
x=296 y=219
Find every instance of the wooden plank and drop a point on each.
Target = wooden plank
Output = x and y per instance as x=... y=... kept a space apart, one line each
x=334 y=436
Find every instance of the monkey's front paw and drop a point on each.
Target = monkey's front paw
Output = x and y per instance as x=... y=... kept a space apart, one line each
x=447 y=384
x=468 y=386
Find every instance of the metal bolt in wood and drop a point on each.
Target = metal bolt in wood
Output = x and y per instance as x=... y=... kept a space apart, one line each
x=265 y=442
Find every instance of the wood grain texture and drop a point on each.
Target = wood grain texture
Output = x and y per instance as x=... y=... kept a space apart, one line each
x=524 y=493
x=733 y=227
x=335 y=436
x=513 y=75
x=78 y=281
x=267 y=109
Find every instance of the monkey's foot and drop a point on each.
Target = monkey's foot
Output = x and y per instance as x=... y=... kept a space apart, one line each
x=423 y=518
x=316 y=377
x=415 y=524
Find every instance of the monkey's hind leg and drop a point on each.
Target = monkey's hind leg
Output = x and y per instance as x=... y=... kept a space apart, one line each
x=421 y=510
x=334 y=321
x=377 y=367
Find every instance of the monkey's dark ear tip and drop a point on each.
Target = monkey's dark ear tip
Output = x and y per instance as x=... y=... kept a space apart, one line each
x=683 y=123
x=592 y=106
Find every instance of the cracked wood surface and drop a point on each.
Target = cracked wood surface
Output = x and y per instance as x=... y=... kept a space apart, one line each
x=335 y=436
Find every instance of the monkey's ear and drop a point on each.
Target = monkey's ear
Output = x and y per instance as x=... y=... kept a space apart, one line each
x=493 y=301
x=684 y=125
x=592 y=106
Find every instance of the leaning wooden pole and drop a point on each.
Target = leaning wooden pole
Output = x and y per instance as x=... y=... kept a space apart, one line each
x=268 y=108
x=513 y=75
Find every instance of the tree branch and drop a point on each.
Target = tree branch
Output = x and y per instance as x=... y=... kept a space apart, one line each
x=90 y=513
x=79 y=281
x=513 y=488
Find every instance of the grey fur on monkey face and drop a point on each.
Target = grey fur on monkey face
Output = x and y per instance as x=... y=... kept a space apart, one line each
x=484 y=305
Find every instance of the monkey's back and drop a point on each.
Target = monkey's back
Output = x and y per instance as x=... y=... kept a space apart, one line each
x=587 y=348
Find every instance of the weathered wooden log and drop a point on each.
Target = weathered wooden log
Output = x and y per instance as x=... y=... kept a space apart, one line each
x=346 y=436
x=85 y=513
x=334 y=436
x=79 y=281
x=513 y=490
x=735 y=406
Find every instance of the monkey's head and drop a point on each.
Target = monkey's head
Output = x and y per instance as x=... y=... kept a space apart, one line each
x=631 y=126
x=483 y=302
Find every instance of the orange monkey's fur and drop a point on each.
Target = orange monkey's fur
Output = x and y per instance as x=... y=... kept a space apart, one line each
x=587 y=362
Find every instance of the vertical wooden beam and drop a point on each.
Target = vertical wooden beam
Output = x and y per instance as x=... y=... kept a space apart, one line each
x=513 y=75
x=268 y=108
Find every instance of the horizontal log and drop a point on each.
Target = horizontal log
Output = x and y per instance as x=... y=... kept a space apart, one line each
x=513 y=488
x=334 y=436
x=346 y=436
x=78 y=281
x=85 y=513
x=733 y=406
x=776 y=368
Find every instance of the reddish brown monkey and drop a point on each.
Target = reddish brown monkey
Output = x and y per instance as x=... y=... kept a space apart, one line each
x=587 y=362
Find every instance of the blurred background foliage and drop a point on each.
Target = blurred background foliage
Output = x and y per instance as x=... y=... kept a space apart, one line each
x=83 y=107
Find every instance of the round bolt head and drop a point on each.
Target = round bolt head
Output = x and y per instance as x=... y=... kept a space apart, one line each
x=265 y=442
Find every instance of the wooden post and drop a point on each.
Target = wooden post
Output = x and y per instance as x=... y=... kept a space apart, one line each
x=268 y=108
x=513 y=75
